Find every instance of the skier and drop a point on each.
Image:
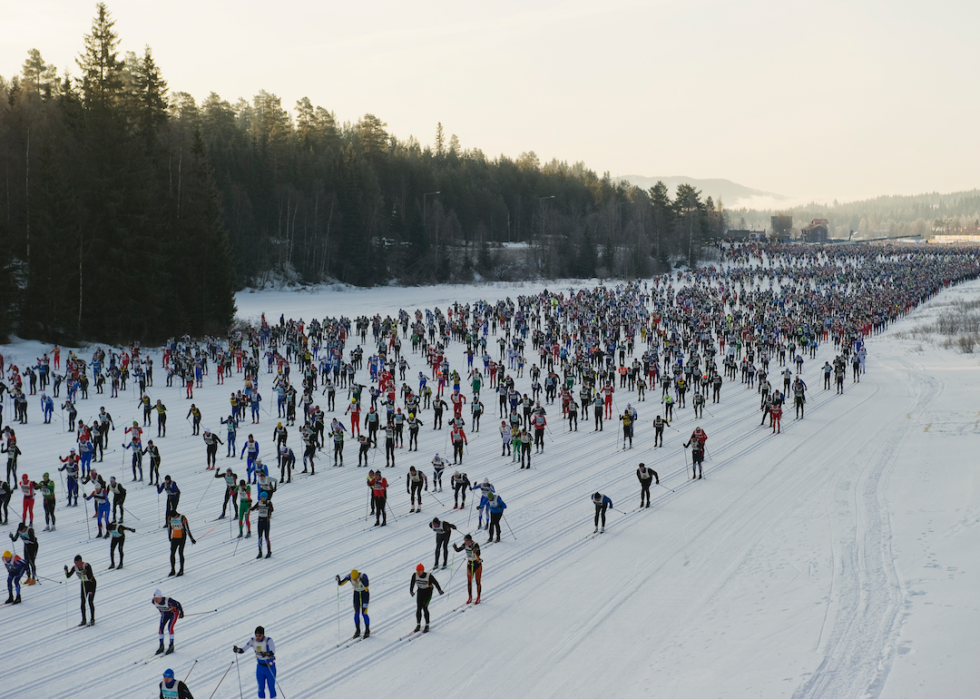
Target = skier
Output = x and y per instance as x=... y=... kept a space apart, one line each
x=484 y=507
x=265 y=509
x=461 y=484
x=244 y=507
x=496 y=507
x=155 y=459
x=458 y=438
x=252 y=447
x=195 y=414
x=658 y=431
x=413 y=485
x=628 y=417
x=137 y=448
x=88 y=584
x=379 y=491
x=16 y=567
x=230 y=491
x=265 y=660
x=443 y=531
x=799 y=397
x=5 y=494
x=173 y=493
x=211 y=441
x=101 y=497
x=71 y=465
x=28 y=538
x=179 y=532
x=425 y=582
x=438 y=466
x=170 y=610
x=118 y=499
x=645 y=476
x=116 y=533
x=474 y=566
x=362 y=595
x=46 y=488
x=27 y=487
x=171 y=688
x=697 y=457
x=601 y=502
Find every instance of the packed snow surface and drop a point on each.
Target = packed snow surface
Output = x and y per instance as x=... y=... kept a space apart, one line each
x=839 y=558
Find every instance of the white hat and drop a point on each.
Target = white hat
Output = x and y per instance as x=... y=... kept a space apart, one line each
x=157 y=593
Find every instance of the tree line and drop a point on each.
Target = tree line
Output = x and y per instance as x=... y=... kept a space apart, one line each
x=130 y=210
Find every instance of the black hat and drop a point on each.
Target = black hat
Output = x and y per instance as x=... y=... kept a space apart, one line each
x=260 y=630
x=78 y=558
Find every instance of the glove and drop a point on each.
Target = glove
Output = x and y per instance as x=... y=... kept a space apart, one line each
x=182 y=615
x=441 y=592
x=237 y=649
x=193 y=541
x=336 y=576
x=412 y=594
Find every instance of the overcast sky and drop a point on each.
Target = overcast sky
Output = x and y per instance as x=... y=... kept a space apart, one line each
x=818 y=99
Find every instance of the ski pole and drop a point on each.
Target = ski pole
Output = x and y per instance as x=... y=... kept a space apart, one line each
x=210 y=481
x=137 y=519
x=470 y=515
x=390 y=510
x=192 y=667
x=223 y=679
x=338 y=613
x=508 y=526
x=205 y=534
x=199 y=614
x=239 y=671
x=49 y=579
x=619 y=511
x=671 y=489
x=452 y=568
x=276 y=680
x=88 y=527
x=437 y=499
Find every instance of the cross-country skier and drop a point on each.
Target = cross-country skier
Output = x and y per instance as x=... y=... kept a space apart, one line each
x=425 y=582
x=88 y=584
x=362 y=595
x=646 y=476
x=602 y=503
x=413 y=485
x=265 y=660
x=16 y=567
x=443 y=531
x=116 y=533
x=179 y=532
x=170 y=610
x=264 y=509
x=496 y=507
x=171 y=688
x=474 y=566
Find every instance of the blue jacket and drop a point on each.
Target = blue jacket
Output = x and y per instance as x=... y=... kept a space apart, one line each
x=497 y=504
x=605 y=501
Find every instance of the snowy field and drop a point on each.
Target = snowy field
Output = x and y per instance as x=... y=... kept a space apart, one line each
x=837 y=559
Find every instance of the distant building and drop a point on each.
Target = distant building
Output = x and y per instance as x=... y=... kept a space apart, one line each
x=817 y=232
x=782 y=228
x=744 y=234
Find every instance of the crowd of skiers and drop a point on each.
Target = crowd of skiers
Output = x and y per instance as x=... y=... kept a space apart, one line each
x=759 y=319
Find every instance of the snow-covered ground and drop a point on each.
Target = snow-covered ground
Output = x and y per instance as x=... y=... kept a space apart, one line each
x=837 y=559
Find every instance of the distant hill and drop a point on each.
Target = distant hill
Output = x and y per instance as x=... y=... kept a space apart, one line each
x=732 y=194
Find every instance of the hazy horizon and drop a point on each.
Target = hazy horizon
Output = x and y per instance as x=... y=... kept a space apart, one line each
x=819 y=102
